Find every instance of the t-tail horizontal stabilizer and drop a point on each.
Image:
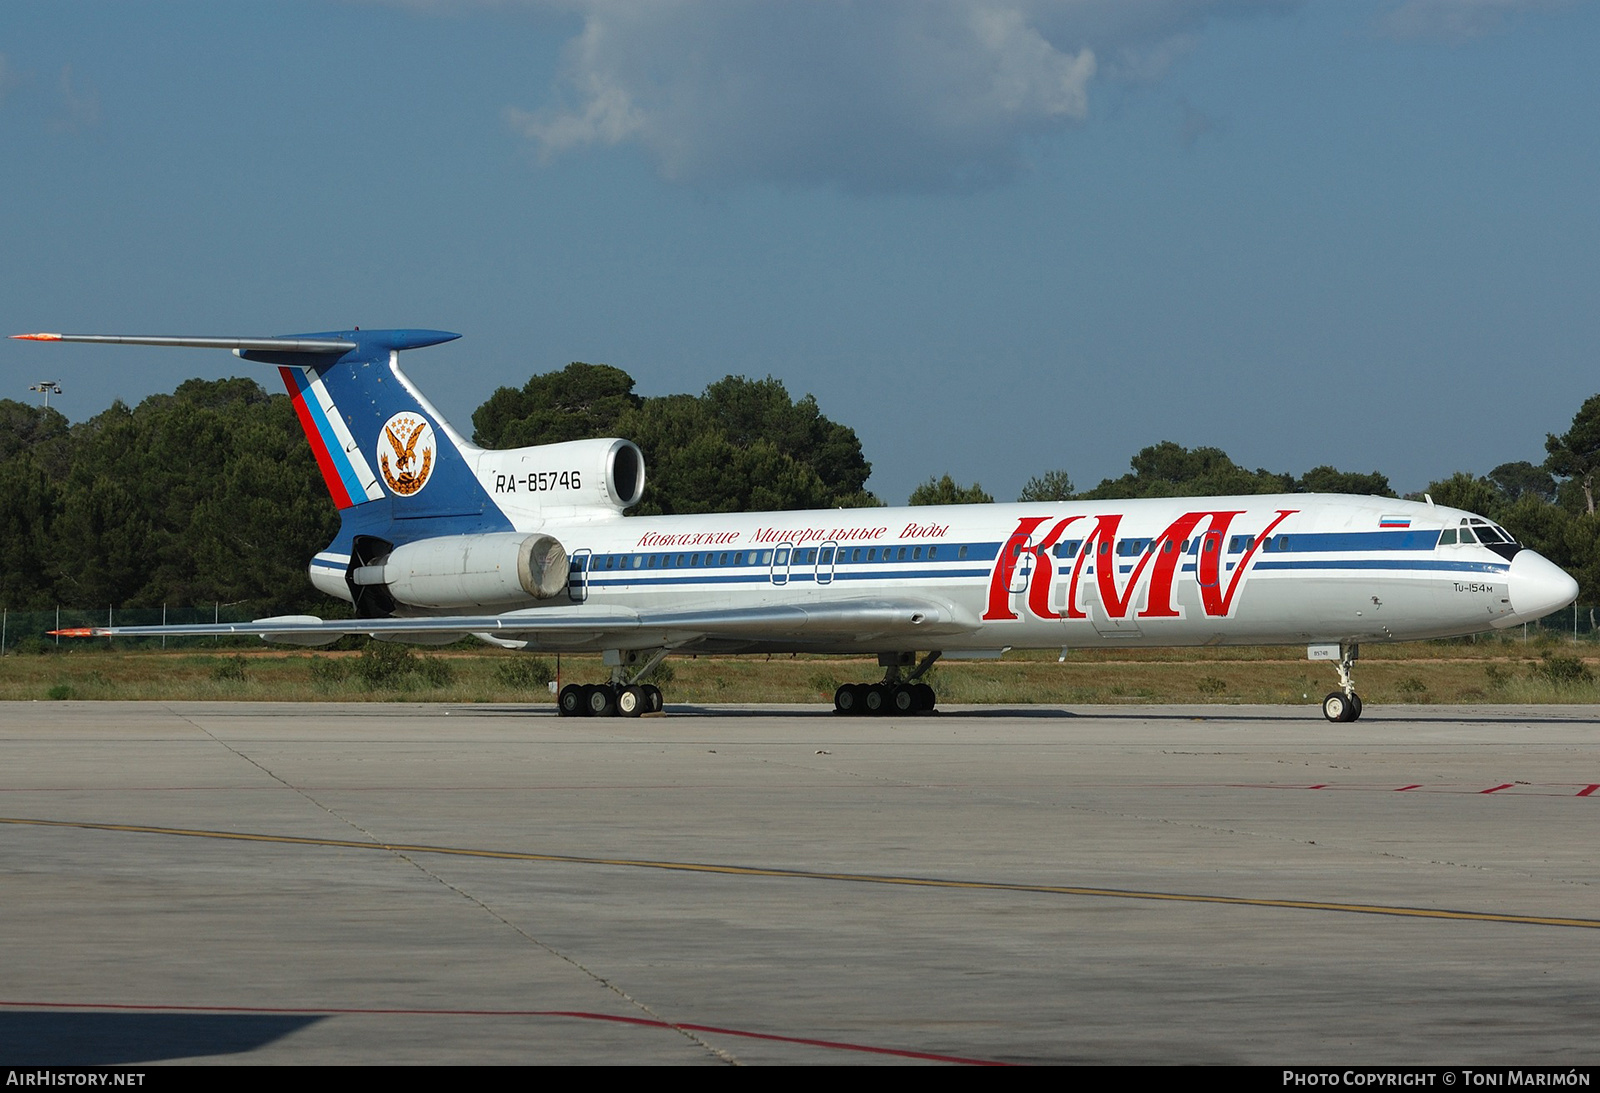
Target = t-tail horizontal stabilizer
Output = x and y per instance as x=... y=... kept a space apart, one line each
x=270 y=345
x=367 y=426
x=336 y=343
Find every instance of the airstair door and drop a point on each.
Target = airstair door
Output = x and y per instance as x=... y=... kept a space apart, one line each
x=825 y=556
x=781 y=555
x=578 y=574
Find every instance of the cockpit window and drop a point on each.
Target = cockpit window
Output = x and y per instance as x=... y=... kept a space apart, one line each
x=1475 y=529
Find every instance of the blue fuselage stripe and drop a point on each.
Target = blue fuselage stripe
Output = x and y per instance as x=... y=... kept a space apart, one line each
x=1388 y=563
x=1331 y=542
x=764 y=576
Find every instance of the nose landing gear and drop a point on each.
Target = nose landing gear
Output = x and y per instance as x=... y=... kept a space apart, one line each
x=1344 y=704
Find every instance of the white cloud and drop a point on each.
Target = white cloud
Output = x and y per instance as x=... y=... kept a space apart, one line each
x=865 y=96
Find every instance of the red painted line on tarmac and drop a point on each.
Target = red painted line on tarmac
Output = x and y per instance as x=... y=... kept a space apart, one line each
x=1544 y=789
x=644 y=1022
x=837 y=1045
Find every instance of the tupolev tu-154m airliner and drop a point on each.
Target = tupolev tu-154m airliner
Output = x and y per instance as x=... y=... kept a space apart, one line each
x=529 y=548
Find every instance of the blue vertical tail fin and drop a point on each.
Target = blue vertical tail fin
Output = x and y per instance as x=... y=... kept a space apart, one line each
x=375 y=437
x=396 y=470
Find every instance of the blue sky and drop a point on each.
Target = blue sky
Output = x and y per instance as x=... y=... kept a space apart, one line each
x=995 y=239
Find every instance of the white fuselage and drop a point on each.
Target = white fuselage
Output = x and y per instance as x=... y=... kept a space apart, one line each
x=1291 y=568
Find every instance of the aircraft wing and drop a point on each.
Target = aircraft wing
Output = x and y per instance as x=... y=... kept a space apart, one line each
x=866 y=621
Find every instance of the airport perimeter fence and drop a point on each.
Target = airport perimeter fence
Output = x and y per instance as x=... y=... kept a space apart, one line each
x=28 y=632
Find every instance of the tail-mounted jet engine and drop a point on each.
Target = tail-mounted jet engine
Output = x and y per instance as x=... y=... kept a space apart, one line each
x=495 y=570
x=604 y=475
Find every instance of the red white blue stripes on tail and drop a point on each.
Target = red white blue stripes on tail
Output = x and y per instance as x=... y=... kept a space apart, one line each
x=344 y=466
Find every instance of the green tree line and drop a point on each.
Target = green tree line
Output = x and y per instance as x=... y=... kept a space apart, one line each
x=210 y=494
x=742 y=445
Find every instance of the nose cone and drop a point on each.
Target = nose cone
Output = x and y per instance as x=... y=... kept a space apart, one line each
x=1538 y=586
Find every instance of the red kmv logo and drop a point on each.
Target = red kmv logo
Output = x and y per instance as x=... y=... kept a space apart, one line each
x=1026 y=569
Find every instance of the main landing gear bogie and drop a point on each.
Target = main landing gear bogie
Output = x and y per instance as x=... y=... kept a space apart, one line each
x=874 y=699
x=897 y=694
x=608 y=700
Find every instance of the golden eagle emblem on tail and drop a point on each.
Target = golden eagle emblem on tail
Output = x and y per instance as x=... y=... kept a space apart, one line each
x=408 y=471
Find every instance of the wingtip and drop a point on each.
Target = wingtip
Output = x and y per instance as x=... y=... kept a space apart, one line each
x=37 y=337
x=73 y=632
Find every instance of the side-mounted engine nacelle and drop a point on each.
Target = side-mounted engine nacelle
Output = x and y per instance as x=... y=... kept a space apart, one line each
x=597 y=475
x=500 y=570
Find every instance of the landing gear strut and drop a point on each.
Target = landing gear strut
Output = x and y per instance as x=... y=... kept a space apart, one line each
x=622 y=697
x=1344 y=704
x=895 y=695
